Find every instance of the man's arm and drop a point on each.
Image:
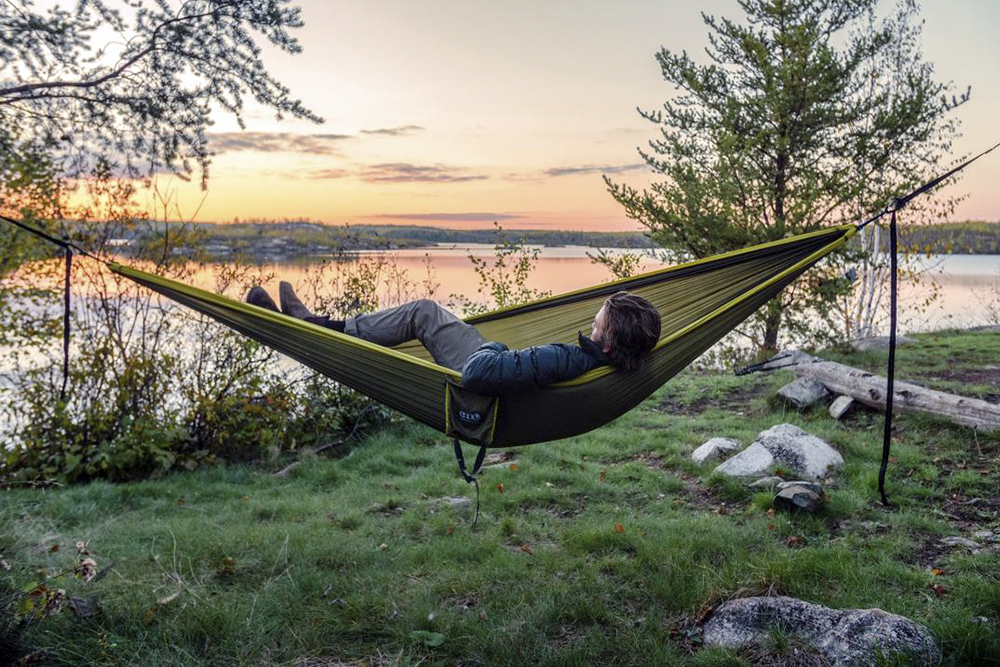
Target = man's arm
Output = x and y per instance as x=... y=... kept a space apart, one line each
x=493 y=369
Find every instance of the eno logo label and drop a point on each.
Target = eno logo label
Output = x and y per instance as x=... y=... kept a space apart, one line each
x=470 y=417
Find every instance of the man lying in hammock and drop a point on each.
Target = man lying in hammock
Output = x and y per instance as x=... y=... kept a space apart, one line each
x=625 y=329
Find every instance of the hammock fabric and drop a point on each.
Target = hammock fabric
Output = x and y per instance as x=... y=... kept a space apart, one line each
x=699 y=303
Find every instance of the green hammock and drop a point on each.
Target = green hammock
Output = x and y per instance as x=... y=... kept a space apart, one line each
x=699 y=302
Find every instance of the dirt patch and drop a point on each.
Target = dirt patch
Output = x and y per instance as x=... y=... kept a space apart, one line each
x=462 y=603
x=698 y=496
x=968 y=376
x=565 y=511
x=926 y=553
x=739 y=399
x=971 y=513
x=650 y=459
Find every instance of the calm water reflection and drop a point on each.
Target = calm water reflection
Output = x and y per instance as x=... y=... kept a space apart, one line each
x=966 y=282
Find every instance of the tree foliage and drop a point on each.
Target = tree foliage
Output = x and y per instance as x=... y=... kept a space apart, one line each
x=807 y=113
x=144 y=105
x=82 y=127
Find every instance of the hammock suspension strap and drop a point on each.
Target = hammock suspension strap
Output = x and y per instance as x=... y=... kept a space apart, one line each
x=891 y=370
x=68 y=248
x=470 y=478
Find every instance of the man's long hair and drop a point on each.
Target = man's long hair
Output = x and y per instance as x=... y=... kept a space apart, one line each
x=632 y=328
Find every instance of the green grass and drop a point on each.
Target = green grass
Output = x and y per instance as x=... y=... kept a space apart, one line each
x=603 y=548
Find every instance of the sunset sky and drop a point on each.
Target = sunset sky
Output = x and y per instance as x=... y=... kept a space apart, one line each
x=461 y=113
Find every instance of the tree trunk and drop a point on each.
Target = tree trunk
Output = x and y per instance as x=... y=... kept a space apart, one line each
x=772 y=325
x=870 y=389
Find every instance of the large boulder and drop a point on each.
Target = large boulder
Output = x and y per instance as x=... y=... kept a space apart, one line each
x=714 y=449
x=843 y=636
x=753 y=461
x=804 y=392
x=784 y=445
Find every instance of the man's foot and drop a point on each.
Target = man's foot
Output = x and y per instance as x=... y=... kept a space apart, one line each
x=258 y=296
x=290 y=304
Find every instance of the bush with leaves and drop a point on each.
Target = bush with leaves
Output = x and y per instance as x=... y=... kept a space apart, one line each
x=504 y=277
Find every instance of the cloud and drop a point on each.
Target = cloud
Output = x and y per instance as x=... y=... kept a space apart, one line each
x=449 y=217
x=327 y=174
x=284 y=142
x=593 y=169
x=395 y=131
x=401 y=172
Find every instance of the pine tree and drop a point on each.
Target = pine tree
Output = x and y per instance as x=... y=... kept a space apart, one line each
x=807 y=113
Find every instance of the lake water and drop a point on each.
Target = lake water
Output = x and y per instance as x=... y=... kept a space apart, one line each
x=966 y=283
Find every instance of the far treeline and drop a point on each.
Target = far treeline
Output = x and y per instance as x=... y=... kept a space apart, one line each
x=955 y=238
x=266 y=238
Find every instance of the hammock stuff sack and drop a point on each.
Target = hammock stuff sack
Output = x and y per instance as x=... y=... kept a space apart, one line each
x=699 y=303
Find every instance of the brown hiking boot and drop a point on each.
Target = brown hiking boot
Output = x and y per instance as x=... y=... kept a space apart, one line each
x=258 y=296
x=290 y=304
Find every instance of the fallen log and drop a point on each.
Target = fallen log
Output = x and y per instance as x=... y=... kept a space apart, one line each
x=870 y=389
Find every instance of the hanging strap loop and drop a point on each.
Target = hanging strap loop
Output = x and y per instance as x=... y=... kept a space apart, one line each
x=470 y=478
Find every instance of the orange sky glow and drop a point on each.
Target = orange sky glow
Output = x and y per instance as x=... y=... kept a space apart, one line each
x=461 y=114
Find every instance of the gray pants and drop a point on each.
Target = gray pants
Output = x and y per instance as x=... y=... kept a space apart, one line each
x=449 y=340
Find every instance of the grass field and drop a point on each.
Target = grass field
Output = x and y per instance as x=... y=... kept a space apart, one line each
x=606 y=548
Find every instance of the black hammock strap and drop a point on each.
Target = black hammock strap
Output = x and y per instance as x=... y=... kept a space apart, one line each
x=899 y=202
x=68 y=248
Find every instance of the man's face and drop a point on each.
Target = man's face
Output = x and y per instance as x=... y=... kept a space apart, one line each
x=597 y=331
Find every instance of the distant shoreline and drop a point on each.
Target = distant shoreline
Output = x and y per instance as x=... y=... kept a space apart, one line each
x=264 y=240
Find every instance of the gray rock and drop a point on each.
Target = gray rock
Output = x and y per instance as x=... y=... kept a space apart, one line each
x=753 y=461
x=812 y=486
x=959 y=542
x=456 y=502
x=798 y=498
x=987 y=535
x=714 y=449
x=785 y=445
x=880 y=342
x=766 y=482
x=840 y=406
x=804 y=392
x=843 y=636
x=802 y=452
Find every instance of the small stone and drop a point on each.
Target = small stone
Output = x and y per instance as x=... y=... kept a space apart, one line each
x=880 y=342
x=456 y=502
x=753 y=461
x=959 y=542
x=499 y=457
x=797 y=498
x=812 y=486
x=840 y=406
x=714 y=449
x=987 y=535
x=804 y=392
x=766 y=482
x=873 y=526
